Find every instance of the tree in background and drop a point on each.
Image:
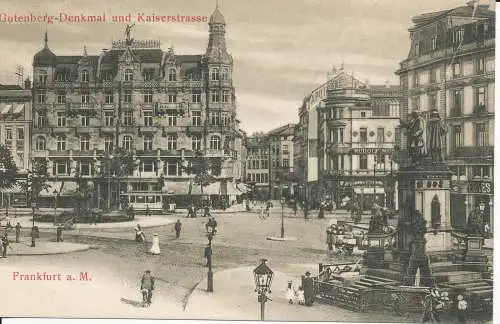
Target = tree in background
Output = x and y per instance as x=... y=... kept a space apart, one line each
x=204 y=169
x=8 y=169
x=37 y=180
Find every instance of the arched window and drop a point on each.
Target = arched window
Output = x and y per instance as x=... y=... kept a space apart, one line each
x=172 y=142
x=61 y=143
x=196 y=142
x=435 y=212
x=148 y=142
x=129 y=75
x=85 y=76
x=127 y=142
x=40 y=143
x=215 y=142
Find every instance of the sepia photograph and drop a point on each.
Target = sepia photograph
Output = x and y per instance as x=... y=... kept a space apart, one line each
x=264 y=160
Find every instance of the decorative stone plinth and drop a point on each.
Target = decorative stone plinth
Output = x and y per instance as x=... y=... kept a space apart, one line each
x=475 y=251
x=376 y=251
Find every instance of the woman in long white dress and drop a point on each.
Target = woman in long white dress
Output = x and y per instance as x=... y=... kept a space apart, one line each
x=155 y=248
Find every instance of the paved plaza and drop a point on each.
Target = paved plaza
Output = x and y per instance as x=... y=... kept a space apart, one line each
x=115 y=263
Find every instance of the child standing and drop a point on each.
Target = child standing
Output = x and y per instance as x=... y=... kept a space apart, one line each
x=462 y=309
x=290 y=294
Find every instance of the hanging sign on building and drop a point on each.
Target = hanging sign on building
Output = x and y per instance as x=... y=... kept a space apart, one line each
x=481 y=187
x=374 y=150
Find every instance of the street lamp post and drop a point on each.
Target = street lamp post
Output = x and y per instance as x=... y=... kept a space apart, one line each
x=110 y=157
x=211 y=230
x=492 y=215
x=55 y=206
x=374 y=181
x=263 y=277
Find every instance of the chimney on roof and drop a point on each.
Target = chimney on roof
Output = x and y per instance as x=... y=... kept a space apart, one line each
x=367 y=83
x=387 y=84
x=27 y=84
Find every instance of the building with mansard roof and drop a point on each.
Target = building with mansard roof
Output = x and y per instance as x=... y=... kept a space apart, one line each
x=451 y=67
x=161 y=106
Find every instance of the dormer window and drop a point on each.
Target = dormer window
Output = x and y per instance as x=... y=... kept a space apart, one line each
x=129 y=75
x=62 y=76
x=42 y=76
x=85 y=76
x=108 y=76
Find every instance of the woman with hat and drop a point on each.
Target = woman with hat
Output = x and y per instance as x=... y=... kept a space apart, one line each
x=155 y=248
x=462 y=309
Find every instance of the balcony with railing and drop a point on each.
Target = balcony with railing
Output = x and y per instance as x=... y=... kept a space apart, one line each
x=473 y=151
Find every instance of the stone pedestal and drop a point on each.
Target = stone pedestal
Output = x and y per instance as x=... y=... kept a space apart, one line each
x=475 y=251
x=375 y=252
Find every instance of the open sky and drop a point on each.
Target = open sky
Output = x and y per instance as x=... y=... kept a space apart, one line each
x=282 y=49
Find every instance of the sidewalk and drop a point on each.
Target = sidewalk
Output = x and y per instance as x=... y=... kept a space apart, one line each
x=44 y=248
x=145 y=221
x=234 y=298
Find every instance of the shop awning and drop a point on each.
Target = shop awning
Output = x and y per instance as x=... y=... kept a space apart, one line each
x=64 y=188
x=5 y=109
x=18 y=109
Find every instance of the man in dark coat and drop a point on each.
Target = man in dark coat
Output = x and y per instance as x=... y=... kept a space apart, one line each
x=34 y=235
x=59 y=233
x=18 y=232
x=177 y=228
x=307 y=284
x=5 y=245
x=147 y=287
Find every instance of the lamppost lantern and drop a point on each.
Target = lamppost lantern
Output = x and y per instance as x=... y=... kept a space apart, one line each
x=263 y=276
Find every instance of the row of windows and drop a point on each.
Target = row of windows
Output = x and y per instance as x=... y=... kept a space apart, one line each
x=337 y=135
x=9 y=134
x=257 y=164
x=258 y=177
x=128 y=144
x=457 y=96
x=478 y=171
x=481 y=135
x=110 y=95
x=456 y=69
x=216 y=74
x=276 y=163
x=170 y=168
x=215 y=118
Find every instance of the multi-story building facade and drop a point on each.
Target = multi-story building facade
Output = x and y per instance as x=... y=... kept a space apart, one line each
x=358 y=127
x=257 y=167
x=15 y=127
x=347 y=134
x=281 y=175
x=161 y=106
x=451 y=67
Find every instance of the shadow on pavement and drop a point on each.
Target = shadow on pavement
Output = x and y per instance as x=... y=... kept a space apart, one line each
x=132 y=302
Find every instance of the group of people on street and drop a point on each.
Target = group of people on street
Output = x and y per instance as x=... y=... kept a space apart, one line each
x=304 y=294
x=140 y=236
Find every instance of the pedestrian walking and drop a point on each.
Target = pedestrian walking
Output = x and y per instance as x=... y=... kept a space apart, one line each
x=148 y=211
x=139 y=234
x=396 y=304
x=34 y=235
x=5 y=245
x=290 y=294
x=177 y=228
x=59 y=233
x=18 y=232
x=321 y=213
x=155 y=248
x=147 y=287
x=461 y=309
x=307 y=283
x=206 y=212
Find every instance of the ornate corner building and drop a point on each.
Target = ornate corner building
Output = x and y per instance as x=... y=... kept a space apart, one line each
x=451 y=67
x=347 y=134
x=160 y=106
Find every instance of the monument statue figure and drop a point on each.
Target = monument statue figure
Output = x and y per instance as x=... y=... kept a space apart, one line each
x=436 y=130
x=377 y=220
x=416 y=133
x=419 y=260
x=475 y=223
x=128 y=29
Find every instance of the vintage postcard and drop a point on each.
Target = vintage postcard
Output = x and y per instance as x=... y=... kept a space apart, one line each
x=305 y=160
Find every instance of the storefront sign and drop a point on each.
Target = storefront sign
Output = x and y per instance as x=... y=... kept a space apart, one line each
x=480 y=187
x=373 y=150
